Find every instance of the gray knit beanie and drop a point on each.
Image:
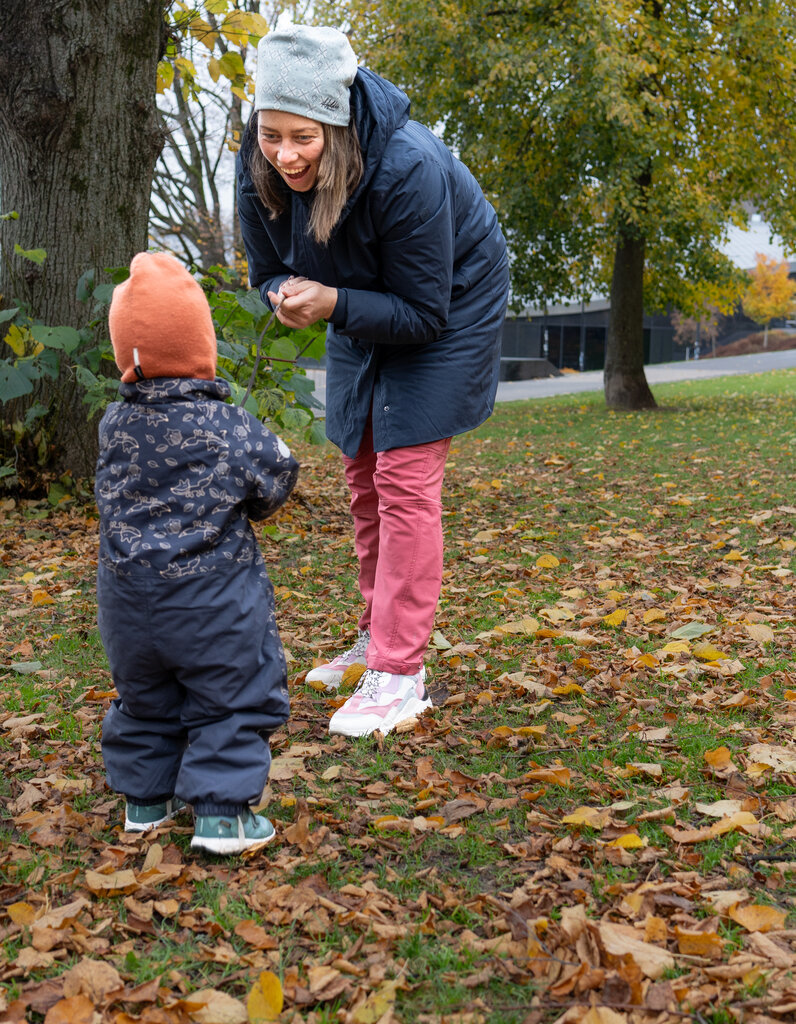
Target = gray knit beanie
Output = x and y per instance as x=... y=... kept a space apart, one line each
x=306 y=71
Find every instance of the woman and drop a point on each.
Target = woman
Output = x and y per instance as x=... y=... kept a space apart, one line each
x=352 y=213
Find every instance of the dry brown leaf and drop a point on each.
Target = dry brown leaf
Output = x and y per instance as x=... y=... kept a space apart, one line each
x=211 y=1006
x=603 y=1015
x=93 y=978
x=781 y=759
x=719 y=808
x=784 y=959
x=620 y=941
x=759 y=631
x=74 y=1010
x=255 y=935
x=117 y=883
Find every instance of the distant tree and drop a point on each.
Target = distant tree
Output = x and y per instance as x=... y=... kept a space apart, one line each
x=700 y=329
x=771 y=294
x=204 y=84
x=617 y=139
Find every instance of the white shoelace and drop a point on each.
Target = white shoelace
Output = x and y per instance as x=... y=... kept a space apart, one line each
x=360 y=646
x=369 y=683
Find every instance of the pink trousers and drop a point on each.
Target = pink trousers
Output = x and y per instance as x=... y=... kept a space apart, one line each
x=397 y=509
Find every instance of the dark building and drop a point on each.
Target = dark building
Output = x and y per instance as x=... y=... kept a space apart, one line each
x=572 y=337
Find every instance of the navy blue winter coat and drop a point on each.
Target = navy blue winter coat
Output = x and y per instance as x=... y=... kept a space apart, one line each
x=420 y=265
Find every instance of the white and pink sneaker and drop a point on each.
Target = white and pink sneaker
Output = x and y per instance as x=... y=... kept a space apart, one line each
x=380 y=702
x=331 y=674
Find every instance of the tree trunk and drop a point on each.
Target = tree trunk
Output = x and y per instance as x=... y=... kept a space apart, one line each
x=79 y=136
x=624 y=382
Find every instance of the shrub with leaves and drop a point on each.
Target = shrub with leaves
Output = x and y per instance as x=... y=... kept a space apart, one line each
x=259 y=358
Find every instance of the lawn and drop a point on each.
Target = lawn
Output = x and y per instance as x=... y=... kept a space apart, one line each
x=596 y=823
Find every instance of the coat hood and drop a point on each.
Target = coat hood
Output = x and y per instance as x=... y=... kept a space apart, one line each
x=378 y=108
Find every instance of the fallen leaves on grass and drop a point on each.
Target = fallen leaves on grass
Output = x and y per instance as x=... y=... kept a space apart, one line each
x=585 y=826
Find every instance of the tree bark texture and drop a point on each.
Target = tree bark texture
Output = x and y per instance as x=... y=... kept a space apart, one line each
x=624 y=382
x=79 y=136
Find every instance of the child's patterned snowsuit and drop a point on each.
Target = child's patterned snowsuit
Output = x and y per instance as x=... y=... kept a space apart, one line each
x=186 y=609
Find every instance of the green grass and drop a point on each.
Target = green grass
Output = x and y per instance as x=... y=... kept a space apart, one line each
x=641 y=511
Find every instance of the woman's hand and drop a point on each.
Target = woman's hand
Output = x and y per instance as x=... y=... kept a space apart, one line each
x=303 y=301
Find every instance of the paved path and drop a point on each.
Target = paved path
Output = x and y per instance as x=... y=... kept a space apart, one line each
x=659 y=373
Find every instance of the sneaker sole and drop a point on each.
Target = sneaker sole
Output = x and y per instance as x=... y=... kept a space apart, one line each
x=359 y=725
x=135 y=826
x=228 y=845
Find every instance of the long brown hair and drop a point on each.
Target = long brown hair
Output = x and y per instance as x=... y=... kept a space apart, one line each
x=339 y=173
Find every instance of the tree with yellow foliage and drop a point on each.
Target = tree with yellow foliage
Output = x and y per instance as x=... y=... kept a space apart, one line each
x=618 y=140
x=771 y=293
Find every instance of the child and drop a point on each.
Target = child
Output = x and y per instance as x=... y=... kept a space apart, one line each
x=185 y=606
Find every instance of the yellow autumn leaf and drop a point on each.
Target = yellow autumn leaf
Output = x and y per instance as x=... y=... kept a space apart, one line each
x=653 y=615
x=734 y=556
x=758 y=917
x=557 y=614
x=392 y=823
x=41 y=597
x=743 y=820
x=20 y=340
x=352 y=674
x=377 y=1005
x=629 y=841
x=567 y=689
x=694 y=943
x=547 y=562
x=676 y=647
x=615 y=618
x=647 y=660
x=526 y=626
x=707 y=652
x=594 y=817
x=504 y=731
x=556 y=776
x=265 y=999
x=719 y=758
x=651 y=768
x=21 y=913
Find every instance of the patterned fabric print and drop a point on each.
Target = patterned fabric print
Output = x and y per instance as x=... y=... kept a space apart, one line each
x=180 y=474
x=307 y=76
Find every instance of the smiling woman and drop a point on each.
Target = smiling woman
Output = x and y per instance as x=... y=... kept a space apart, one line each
x=355 y=214
x=293 y=145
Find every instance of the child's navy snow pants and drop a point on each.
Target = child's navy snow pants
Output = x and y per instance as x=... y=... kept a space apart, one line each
x=201 y=676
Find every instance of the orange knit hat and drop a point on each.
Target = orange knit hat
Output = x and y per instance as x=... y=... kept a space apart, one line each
x=160 y=322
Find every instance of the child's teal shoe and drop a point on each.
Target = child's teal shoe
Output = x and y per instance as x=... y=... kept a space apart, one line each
x=143 y=817
x=231 y=834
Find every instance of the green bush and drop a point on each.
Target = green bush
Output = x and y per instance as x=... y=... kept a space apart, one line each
x=258 y=357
